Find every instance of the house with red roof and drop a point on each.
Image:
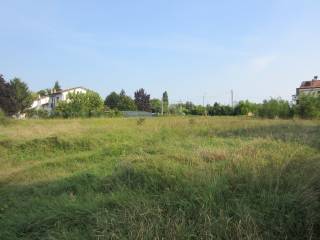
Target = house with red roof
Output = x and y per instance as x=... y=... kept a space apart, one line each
x=309 y=87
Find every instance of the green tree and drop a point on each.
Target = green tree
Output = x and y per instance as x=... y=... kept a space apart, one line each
x=22 y=95
x=142 y=100
x=126 y=102
x=245 y=107
x=57 y=86
x=308 y=106
x=120 y=102
x=165 y=101
x=275 y=108
x=7 y=101
x=42 y=92
x=80 y=105
x=156 y=105
x=112 y=100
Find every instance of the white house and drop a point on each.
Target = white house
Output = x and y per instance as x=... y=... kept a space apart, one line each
x=50 y=101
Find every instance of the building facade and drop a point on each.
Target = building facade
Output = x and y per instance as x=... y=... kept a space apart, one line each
x=309 y=87
x=50 y=101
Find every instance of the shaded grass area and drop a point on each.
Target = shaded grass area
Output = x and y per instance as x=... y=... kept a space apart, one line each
x=308 y=135
x=212 y=178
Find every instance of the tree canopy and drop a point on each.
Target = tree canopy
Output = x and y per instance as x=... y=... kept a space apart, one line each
x=308 y=106
x=7 y=103
x=142 y=100
x=22 y=94
x=57 y=86
x=165 y=101
x=15 y=96
x=156 y=105
x=80 y=105
x=120 y=102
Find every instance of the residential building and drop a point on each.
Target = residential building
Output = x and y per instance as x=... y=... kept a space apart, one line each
x=50 y=101
x=309 y=87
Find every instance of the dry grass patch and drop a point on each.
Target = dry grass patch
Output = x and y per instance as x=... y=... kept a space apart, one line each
x=213 y=155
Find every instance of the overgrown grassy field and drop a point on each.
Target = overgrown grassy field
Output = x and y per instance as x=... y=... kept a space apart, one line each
x=162 y=178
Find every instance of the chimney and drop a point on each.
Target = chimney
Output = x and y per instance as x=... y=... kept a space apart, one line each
x=315 y=78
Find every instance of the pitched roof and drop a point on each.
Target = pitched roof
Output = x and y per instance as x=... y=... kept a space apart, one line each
x=310 y=84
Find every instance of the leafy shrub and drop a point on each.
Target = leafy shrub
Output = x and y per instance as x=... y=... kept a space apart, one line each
x=113 y=113
x=219 y=110
x=246 y=108
x=3 y=119
x=308 y=106
x=37 y=113
x=87 y=104
x=274 y=108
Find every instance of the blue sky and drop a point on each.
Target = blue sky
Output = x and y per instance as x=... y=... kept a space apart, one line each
x=258 y=48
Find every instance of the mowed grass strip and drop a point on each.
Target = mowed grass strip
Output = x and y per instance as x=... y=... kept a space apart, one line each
x=163 y=178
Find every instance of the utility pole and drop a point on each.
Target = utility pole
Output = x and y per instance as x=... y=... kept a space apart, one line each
x=203 y=101
x=162 y=107
x=231 y=98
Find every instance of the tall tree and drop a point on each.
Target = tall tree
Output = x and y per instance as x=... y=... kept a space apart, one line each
x=155 y=105
x=57 y=86
x=7 y=102
x=22 y=94
x=126 y=102
x=42 y=93
x=142 y=100
x=120 y=101
x=165 y=102
x=112 y=100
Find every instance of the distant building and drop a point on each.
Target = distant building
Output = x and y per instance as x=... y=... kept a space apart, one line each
x=309 y=87
x=50 y=101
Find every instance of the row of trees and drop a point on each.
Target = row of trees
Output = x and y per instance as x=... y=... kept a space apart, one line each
x=15 y=98
x=308 y=106
x=141 y=102
x=90 y=104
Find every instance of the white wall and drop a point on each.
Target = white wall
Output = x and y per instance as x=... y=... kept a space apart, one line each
x=50 y=102
x=39 y=102
x=309 y=90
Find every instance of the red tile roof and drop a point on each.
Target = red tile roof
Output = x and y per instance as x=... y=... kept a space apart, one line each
x=310 y=84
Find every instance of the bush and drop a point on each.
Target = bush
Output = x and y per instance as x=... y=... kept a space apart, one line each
x=246 y=108
x=219 y=110
x=3 y=119
x=87 y=104
x=113 y=113
x=274 y=108
x=40 y=113
x=308 y=106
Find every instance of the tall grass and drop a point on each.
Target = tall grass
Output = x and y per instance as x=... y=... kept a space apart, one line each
x=168 y=178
